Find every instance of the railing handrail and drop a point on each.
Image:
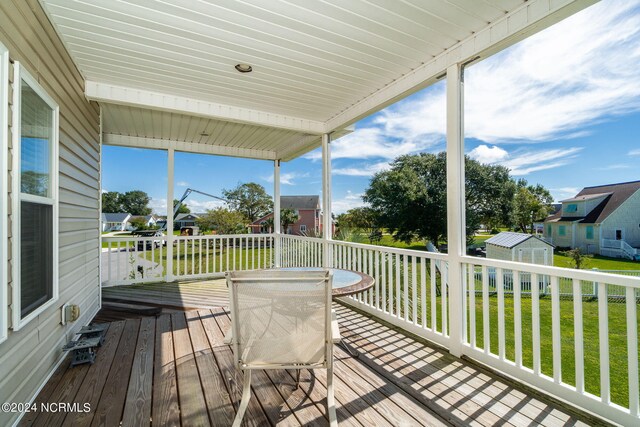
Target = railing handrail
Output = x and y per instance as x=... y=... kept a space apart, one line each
x=203 y=236
x=399 y=251
x=586 y=275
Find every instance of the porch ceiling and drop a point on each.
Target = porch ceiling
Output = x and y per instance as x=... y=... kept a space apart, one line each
x=317 y=66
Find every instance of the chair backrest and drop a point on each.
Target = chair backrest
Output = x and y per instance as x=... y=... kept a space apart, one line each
x=280 y=318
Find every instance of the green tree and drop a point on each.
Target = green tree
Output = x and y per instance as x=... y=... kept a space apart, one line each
x=183 y=209
x=135 y=202
x=112 y=202
x=531 y=203
x=578 y=259
x=363 y=218
x=223 y=221
x=410 y=199
x=138 y=223
x=250 y=199
x=287 y=217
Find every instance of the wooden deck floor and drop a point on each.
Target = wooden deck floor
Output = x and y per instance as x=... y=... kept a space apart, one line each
x=174 y=369
x=185 y=295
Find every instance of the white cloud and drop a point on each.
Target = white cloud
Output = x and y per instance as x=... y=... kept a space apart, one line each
x=564 y=192
x=287 y=178
x=349 y=201
x=376 y=142
x=199 y=206
x=569 y=76
x=523 y=162
x=635 y=152
x=159 y=206
x=362 y=169
x=182 y=184
x=488 y=155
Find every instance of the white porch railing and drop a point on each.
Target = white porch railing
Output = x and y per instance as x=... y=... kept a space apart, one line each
x=610 y=247
x=129 y=260
x=568 y=332
x=571 y=333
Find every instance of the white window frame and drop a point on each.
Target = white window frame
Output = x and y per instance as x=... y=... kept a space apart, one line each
x=4 y=189
x=303 y=228
x=20 y=73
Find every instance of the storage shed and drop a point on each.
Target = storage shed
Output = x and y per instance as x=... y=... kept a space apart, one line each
x=509 y=246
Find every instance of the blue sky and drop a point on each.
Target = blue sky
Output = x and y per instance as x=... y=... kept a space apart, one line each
x=561 y=108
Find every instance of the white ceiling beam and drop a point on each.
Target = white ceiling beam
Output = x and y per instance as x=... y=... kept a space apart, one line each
x=104 y=92
x=532 y=17
x=189 y=147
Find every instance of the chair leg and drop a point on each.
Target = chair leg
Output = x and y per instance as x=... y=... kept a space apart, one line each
x=331 y=401
x=246 y=395
x=297 y=379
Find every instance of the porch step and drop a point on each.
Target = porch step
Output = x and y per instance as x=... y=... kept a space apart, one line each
x=145 y=310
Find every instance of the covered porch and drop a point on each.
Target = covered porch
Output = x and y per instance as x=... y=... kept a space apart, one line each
x=164 y=79
x=174 y=369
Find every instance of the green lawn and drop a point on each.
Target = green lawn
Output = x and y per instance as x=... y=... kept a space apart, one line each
x=599 y=262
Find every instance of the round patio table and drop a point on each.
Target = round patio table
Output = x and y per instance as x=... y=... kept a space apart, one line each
x=345 y=282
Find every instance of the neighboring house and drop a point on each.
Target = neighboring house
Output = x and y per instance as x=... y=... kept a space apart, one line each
x=538 y=225
x=185 y=220
x=601 y=220
x=115 y=221
x=520 y=247
x=309 y=216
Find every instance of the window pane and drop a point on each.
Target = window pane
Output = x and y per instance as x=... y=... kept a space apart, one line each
x=35 y=145
x=36 y=262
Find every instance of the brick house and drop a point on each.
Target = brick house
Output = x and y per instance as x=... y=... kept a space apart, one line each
x=309 y=216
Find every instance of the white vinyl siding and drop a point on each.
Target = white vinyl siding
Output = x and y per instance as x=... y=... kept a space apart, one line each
x=4 y=176
x=29 y=355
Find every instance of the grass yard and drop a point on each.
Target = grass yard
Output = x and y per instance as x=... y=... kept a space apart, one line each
x=599 y=262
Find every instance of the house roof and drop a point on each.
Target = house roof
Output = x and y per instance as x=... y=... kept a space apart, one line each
x=115 y=217
x=300 y=202
x=584 y=197
x=509 y=239
x=615 y=195
x=185 y=216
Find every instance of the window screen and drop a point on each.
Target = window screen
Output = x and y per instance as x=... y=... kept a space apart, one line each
x=36 y=252
x=562 y=230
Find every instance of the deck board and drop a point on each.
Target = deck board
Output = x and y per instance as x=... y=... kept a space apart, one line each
x=217 y=398
x=190 y=392
x=165 y=409
x=137 y=408
x=174 y=369
x=91 y=388
x=111 y=404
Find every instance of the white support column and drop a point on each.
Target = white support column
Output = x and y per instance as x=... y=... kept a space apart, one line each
x=170 y=180
x=276 y=214
x=326 y=198
x=455 y=205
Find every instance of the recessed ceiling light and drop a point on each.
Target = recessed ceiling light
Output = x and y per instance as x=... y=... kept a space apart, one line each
x=244 y=68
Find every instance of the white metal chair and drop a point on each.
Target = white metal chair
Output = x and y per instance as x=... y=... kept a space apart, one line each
x=282 y=320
